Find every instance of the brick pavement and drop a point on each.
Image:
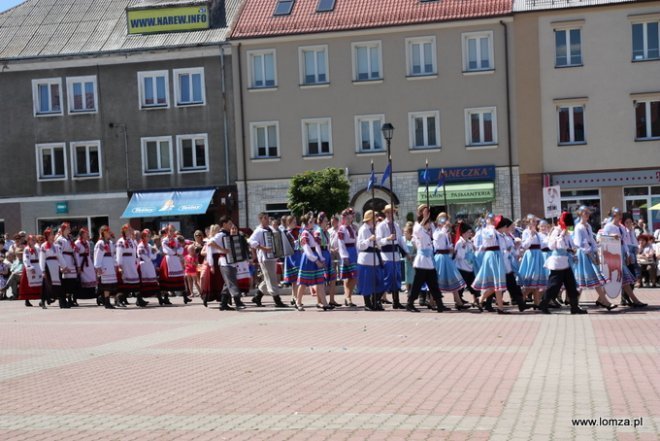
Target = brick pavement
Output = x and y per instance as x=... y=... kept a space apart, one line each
x=191 y=373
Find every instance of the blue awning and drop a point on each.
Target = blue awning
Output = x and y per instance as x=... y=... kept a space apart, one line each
x=168 y=203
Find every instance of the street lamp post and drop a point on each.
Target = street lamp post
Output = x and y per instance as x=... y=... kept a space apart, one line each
x=388 y=132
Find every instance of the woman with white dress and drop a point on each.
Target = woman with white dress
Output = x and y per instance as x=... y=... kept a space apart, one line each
x=171 y=267
x=51 y=263
x=449 y=279
x=31 y=284
x=83 y=252
x=106 y=265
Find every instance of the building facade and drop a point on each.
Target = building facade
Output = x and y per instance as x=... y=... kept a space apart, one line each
x=588 y=104
x=317 y=80
x=100 y=107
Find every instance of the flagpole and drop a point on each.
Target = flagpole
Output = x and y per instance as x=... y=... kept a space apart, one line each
x=372 y=178
x=426 y=183
x=444 y=190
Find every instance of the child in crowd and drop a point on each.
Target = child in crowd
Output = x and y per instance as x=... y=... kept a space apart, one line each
x=191 y=271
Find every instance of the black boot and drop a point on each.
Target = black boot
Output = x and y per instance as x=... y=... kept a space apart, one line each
x=186 y=299
x=367 y=303
x=107 y=303
x=28 y=304
x=396 y=302
x=73 y=301
x=140 y=302
x=99 y=300
x=166 y=300
x=279 y=303
x=488 y=304
x=422 y=299
x=257 y=299
x=224 y=303
x=62 y=302
x=118 y=301
x=161 y=302
x=378 y=301
x=625 y=299
x=439 y=306
x=239 y=303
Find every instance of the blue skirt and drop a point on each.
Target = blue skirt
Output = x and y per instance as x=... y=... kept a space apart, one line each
x=491 y=273
x=370 y=280
x=587 y=274
x=329 y=273
x=449 y=279
x=292 y=267
x=628 y=277
x=532 y=273
x=310 y=274
x=478 y=260
x=349 y=271
x=392 y=276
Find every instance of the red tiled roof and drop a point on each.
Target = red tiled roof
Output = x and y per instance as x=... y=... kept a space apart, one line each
x=257 y=20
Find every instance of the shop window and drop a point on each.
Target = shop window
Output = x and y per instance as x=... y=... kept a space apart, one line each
x=571 y=200
x=277 y=210
x=635 y=191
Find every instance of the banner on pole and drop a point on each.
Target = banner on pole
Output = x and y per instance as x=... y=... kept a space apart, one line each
x=611 y=264
x=551 y=201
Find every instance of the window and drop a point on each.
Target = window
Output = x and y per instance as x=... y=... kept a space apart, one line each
x=265 y=140
x=367 y=61
x=647 y=119
x=314 y=65
x=51 y=162
x=481 y=126
x=284 y=7
x=86 y=159
x=421 y=56
x=571 y=200
x=46 y=96
x=154 y=89
x=189 y=86
x=369 y=136
x=278 y=209
x=317 y=137
x=82 y=94
x=478 y=51
x=192 y=153
x=157 y=155
x=262 y=69
x=645 y=38
x=571 y=124
x=424 y=130
x=325 y=5
x=568 y=47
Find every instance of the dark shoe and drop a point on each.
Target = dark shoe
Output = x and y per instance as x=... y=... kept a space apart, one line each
x=554 y=304
x=239 y=303
x=544 y=309
x=349 y=304
x=398 y=306
x=422 y=299
x=225 y=307
x=386 y=302
x=293 y=302
x=335 y=304
x=63 y=304
x=578 y=311
x=463 y=307
x=278 y=302
x=28 y=304
x=140 y=302
x=42 y=304
x=186 y=299
x=73 y=302
x=609 y=307
x=257 y=299
x=478 y=306
x=327 y=307
x=107 y=304
x=639 y=305
x=166 y=300
x=411 y=308
x=524 y=307
x=367 y=304
x=300 y=308
x=488 y=306
x=502 y=311
x=99 y=301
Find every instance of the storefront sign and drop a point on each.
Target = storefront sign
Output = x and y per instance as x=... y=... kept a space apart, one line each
x=168 y=203
x=62 y=207
x=458 y=194
x=607 y=179
x=551 y=201
x=458 y=174
x=169 y=19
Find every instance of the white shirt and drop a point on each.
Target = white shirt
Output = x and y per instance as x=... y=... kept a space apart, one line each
x=363 y=243
x=464 y=250
x=345 y=236
x=383 y=231
x=530 y=238
x=423 y=240
x=583 y=238
x=441 y=239
x=258 y=239
x=560 y=244
x=309 y=246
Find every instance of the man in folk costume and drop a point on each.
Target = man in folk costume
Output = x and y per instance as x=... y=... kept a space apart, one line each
x=370 y=264
x=391 y=242
x=30 y=287
x=346 y=237
x=148 y=279
x=267 y=262
x=106 y=265
x=171 y=267
x=51 y=262
x=85 y=263
x=560 y=265
x=127 y=264
x=70 y=281
x=228 y=270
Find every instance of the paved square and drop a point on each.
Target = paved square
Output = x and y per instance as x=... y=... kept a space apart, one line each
x=191 y=373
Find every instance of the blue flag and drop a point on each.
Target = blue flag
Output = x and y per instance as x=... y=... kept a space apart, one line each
x=372 y=181
x=441 y=182
x=386 y=174
x=425 y=176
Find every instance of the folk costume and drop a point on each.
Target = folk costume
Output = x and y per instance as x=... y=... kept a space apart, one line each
x=465 y=260
x=449 y=279
x=85 y=262
x=310 y=274
x=51 y=262
x=147 y=271
x=346 y=238
x=268 y=264
x=292 y=261
x=171 y=267
x=370 y=265
x=69 y=273
x=532 y=273
x=105 y=265
x=30 y=286
x=424 y=266
x=127 y=262
x=586 y=270
x=391 y=252
x=229 y=275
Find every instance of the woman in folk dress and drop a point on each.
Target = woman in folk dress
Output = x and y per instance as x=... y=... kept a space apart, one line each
x=148 y=279
x=105 y=265
x=70 y=283
x=449 y=279
x=51 y=262
x=30 y=287
x=171 y=267
x=85 y=261
x=127 y=264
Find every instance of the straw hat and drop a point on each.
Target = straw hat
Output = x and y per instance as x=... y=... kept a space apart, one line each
x=388 y=207
x=368 y=216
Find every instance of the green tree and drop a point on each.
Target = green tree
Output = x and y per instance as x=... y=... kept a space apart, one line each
x=323 y=190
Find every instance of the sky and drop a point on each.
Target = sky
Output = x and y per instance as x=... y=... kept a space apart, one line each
x=6 y=4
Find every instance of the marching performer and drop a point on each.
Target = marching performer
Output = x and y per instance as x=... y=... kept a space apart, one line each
x=267 y=261
x=510 y=253
x=228 y=270
x=465 y=260
x=559 y=264
x=85 y=263
x=69 y=274
x=148 y=279
x=348 y=254
x=312 y=265
x=392 y=247
x=128 y=279
x=491 y=276
x=292 y=261
x=532 y=276
x=586 y=269
x=30 y=287
x=105 y=265
x=212 y=283
x=323 y=239
x=171 y=267
x=370 y=264
x=449 y=279
x=51 y=262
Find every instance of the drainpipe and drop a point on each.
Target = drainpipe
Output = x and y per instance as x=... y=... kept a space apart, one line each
x=242 y=116
x=508 y=113
x=224 y=112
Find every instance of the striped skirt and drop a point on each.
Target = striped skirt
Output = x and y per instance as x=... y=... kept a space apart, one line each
x=349 y=271
x=587 y=274
x=449 y=279
x=329 y=273
x=532 y=274
x=491 y=274
x=310 y=274
x=292 y=267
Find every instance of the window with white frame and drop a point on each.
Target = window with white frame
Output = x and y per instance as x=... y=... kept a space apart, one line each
x=571 y=124
x=647 y=119
x=46 y=96
x=568 y=47
x=481 y=126
x=265 y=140
x=192 y=151
x=262 y=69
x=51 y=162
x=86 y=159
x=157 y=155
x=189 y=87
x=82 y=94
x=424 y=130
x=369 y=136
x=367 y=61
x=478 y=51
x=314 y=65
x=421 y=56
x=154 y=89
x=317 y=137
x=646 y=40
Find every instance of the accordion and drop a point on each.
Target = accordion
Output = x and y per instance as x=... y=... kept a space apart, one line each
x=238 y=248
x=273 y=240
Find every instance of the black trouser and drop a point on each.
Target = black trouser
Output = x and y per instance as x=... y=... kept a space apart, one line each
x=514 y=290
x=428 y=276
x=555 y=281
x=469 y=277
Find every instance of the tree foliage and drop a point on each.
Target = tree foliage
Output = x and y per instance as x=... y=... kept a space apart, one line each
x=319 y=190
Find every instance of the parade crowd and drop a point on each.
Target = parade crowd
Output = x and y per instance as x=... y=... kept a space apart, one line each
x=534 y=262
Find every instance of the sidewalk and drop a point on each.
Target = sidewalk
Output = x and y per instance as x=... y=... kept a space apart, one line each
x=191 y=373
